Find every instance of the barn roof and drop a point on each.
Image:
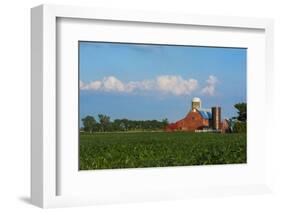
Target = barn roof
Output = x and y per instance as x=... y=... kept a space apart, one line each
x=206 y=114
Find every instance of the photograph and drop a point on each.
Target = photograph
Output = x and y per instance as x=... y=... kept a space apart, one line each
x=161 y=105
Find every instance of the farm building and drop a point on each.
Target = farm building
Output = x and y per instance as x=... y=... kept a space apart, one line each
x=199 y=119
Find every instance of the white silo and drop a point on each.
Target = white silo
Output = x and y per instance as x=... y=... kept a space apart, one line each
x=195 y=104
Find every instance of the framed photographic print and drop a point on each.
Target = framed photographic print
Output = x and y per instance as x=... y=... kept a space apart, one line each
x=130 y=106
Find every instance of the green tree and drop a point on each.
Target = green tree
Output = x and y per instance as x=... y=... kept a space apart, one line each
x=240 y=127
x=242 y=111
x=89 y=123
x=104 y=122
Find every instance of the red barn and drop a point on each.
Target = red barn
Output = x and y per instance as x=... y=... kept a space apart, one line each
x=194 y=120
x=198 y=119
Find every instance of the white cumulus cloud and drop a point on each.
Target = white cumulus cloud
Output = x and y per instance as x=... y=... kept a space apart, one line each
x=113 y=84
x=175 y=85
x=165 y=84
x=210 y=88
x=94 y=85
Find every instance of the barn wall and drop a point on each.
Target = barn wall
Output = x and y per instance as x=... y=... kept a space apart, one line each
x=193 y=121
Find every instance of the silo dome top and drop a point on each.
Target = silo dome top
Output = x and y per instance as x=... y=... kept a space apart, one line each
x=196 y=99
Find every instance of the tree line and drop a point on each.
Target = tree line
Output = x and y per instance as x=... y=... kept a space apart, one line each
x=104 y=124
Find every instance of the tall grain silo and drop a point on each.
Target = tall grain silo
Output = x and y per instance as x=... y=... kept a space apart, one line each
x=216 y=117
x=195 y=104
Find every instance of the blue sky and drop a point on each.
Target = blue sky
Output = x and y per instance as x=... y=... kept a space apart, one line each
x=158 y=81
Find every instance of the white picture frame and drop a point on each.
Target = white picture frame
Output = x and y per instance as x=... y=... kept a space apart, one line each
x=45 y=152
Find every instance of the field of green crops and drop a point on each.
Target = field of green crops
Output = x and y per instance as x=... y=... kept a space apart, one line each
x=158 y=149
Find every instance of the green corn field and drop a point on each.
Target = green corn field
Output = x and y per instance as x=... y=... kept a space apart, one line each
x=159 y=149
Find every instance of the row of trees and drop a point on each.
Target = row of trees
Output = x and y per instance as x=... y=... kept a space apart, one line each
x=104 y=124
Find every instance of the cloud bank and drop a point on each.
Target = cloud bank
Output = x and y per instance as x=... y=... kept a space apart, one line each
x=166 y=84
